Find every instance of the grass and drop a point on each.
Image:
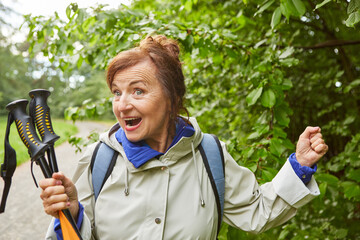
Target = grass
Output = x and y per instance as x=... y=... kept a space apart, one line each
x=61 y=128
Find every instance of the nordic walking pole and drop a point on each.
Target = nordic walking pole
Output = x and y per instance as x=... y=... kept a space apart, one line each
x=37 y=150
x=39 y=111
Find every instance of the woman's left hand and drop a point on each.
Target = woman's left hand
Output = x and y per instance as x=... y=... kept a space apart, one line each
x=310 y=147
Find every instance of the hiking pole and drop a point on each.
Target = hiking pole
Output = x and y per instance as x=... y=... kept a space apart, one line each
x=40 y=113
x=37 y=150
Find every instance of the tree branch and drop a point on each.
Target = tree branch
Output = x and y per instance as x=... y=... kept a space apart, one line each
x=331 y=43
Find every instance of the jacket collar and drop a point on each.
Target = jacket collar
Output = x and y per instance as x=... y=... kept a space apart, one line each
x=178 y=150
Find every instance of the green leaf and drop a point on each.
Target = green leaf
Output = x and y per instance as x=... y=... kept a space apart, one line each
x=289 y=62
x=276 y=147
x=268 y=174
x=322 y=188
x=286 y=84
x=71 y=113
x=287 y=52
x=328 y=178
x=279 y=133
x=341 y=233
x=188 y=5
x=252 y=167
x=352 y=85
x=353 y=6
x=351 y=189
x=189 y=41
x=285 y=10
x=217 y=59
x=265 y=6
x=253 y=135
x=349 y=119
x=275 y=19
x=282 y=116
x=68 y=12
x=322 y=4
x=300 y=7
x=353 y=19
x=283 y=234
x=292 y=8
x=268 y=98
x=254 y=96
x=354 y=174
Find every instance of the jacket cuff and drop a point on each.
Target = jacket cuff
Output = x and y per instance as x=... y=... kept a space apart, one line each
x=303 y=172
x=291 y=189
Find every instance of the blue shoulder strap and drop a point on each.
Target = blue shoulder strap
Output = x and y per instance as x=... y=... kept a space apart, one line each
x=102 y=163
x=213 y=158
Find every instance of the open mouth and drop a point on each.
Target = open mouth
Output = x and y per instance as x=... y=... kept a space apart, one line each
x=130 y=122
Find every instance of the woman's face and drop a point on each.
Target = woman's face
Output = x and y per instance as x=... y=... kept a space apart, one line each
x=140 y=104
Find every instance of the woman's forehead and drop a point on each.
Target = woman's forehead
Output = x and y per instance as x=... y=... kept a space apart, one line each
x=140 y=73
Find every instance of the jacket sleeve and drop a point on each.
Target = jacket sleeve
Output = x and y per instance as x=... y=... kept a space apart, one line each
x=83 y=183
x=255 y=208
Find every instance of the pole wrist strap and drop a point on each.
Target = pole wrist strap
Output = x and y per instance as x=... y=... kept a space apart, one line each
x=9 y=165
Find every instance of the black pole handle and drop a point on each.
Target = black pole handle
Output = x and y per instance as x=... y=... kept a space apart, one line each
x=40 y=112
x=26 y=129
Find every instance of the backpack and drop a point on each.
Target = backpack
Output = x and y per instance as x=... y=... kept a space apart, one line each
x=104 y=158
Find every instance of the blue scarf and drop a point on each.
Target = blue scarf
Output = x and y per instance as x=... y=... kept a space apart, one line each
x=138 y=153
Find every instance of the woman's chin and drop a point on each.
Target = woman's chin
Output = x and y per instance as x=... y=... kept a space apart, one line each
x=133 y=138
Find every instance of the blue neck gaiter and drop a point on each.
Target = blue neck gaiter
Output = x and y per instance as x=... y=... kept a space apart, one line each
x=138 y=153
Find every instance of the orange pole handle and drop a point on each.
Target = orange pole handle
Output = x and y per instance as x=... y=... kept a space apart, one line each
x=67 y=229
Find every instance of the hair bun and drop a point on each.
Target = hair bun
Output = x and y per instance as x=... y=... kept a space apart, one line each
x=170 y=45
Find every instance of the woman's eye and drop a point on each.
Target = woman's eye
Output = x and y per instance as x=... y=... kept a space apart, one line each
x=138 y=92
x=117 y=93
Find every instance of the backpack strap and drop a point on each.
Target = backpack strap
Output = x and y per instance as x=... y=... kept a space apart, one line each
x=102 y=163
x=213 y=158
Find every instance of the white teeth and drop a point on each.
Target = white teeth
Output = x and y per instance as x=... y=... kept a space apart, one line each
x=129 y=119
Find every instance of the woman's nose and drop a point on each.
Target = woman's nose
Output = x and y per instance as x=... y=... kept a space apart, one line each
x=124 y=103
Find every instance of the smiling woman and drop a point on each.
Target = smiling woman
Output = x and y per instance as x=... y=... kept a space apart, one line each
x=159 y=187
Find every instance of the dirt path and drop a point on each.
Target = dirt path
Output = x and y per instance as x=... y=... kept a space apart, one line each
x=24 y=217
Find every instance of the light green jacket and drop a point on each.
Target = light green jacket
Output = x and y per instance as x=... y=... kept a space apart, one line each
x=164 y=200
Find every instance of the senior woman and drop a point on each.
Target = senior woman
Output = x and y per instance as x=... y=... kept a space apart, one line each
x=164 y=179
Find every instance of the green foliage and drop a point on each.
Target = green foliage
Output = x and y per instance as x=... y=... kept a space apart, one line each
x=258 y=72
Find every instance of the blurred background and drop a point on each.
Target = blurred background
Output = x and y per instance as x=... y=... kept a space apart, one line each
x=258 y=72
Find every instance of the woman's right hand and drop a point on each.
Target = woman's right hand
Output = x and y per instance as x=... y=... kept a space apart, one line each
x=59 y=193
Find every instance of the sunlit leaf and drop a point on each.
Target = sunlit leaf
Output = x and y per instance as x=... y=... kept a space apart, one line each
x=287 y=52
x=275 y=19
x=265 y=6
x=322 y=4
x=254 y=96
x=353 y=19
